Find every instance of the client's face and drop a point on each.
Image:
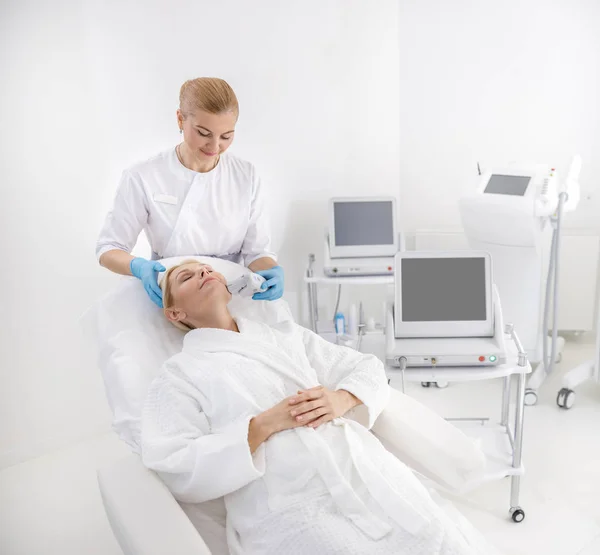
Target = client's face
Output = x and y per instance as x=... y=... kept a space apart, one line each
x=197 y=291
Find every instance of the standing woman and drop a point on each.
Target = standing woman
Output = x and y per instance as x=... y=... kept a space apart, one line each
x=194 y=199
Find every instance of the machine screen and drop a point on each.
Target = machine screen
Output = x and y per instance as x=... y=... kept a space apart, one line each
x=363 y=223
x=508 y=185
x=443 y=289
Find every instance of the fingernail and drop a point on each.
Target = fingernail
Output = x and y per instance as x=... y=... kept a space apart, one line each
x=299 y=418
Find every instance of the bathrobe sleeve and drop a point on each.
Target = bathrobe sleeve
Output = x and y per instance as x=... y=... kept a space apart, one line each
x=195 y=465
x=340 y=367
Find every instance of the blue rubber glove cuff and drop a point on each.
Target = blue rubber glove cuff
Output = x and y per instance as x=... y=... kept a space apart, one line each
x=146 y=271
x=273 y=286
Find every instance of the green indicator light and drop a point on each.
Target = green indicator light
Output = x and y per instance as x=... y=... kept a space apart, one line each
x=492 y=358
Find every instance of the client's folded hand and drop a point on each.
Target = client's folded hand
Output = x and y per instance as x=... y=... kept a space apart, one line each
x=318 y=405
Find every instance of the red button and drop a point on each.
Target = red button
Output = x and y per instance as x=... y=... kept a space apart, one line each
x=389 y=268
x=481 y=359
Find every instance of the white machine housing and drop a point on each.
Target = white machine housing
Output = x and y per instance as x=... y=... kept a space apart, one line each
x=246 y=285
x=365 y=266
x=512 y=223
x=488 y=210
x=450 y=342
x=361 y=254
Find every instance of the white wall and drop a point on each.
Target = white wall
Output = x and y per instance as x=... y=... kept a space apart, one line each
x=51 y=168
x=337 y=97
x=91 y=87
x=495 y=82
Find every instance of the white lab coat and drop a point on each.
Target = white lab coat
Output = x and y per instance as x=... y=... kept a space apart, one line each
x=330 y=490
x=218 y=213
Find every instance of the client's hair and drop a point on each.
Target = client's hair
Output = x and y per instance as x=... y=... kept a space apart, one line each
x=168 y=294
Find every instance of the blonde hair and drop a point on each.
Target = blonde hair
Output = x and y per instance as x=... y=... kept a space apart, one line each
x=165 y=285
x=209 y=94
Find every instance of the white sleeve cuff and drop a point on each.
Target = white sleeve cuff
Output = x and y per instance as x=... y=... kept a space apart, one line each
x=373 y=402
x=105 y=248
x=249 y=258
x=246 y=465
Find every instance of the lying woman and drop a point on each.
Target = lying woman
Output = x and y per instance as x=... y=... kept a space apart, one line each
x=297 y=477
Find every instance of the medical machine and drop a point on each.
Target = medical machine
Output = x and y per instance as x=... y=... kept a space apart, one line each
x=362 y=238
x=246 y=285
x=515 y=214
x=446 y=311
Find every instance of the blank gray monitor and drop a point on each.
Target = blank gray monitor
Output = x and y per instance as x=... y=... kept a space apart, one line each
x=363 y=223
x=443 y=289
x=508 y=185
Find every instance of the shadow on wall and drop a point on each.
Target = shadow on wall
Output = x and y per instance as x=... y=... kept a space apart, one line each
x=303 y=228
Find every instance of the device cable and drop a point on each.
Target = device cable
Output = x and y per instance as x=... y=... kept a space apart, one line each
x=552 y=282
x=402 y=362
x=337 y=302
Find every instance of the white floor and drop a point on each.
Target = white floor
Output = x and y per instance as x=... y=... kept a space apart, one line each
x=51 y=505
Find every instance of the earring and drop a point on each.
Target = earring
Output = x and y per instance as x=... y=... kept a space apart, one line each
x=180 y=131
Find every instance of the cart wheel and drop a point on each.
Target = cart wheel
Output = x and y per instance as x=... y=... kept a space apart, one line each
x=441 y=385
x=517 y=514
x=565 y=398
x=425 y=384
x=531 y=397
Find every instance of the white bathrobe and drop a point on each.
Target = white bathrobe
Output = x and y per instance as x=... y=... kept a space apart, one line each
x=330 y=490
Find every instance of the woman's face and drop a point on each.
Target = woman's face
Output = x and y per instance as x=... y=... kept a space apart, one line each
x=196 y=290
x=207 y=135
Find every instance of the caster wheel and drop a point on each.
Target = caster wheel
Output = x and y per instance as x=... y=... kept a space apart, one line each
x=425 y=384
x=565 y=398
x=441 y=385
x=517 y=514
x=531 y=397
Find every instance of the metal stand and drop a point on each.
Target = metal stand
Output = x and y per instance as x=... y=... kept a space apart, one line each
x=312 y=281
x=313 y=310
x=515 y=434
x=516 y=512
x=502 y=440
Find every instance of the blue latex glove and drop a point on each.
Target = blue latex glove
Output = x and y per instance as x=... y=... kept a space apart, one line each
x=273 y=287
x=145 y=270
